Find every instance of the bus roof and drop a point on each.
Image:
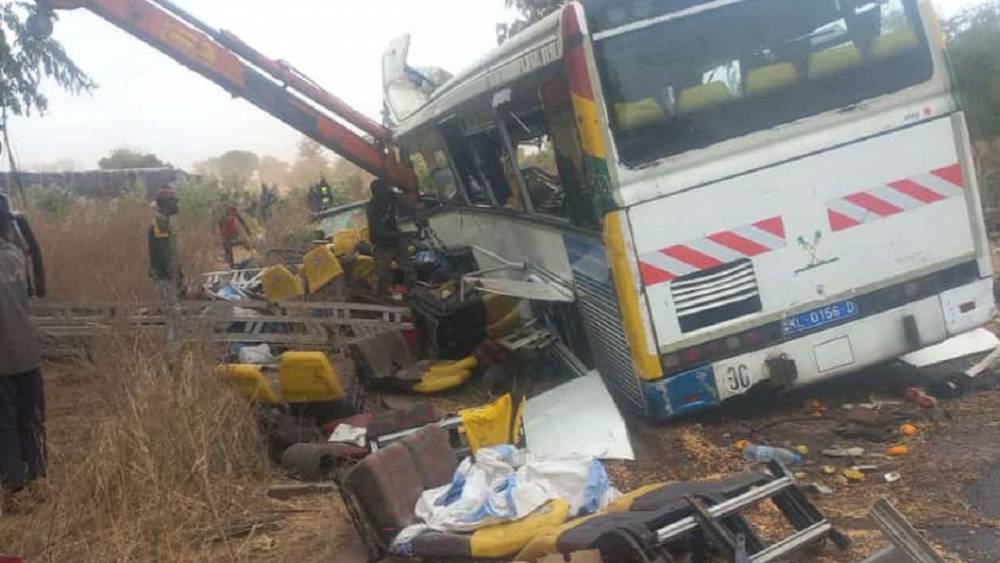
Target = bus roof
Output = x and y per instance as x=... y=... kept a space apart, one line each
x=497 y=69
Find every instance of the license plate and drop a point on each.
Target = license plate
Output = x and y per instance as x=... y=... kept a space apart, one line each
x=823 y=316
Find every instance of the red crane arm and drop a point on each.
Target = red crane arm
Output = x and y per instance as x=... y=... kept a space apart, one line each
x=228 y=62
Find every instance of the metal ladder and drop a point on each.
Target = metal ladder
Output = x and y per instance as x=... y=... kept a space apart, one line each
x=725 y=530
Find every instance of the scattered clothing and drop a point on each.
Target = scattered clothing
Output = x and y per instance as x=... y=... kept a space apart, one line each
x=505 y=484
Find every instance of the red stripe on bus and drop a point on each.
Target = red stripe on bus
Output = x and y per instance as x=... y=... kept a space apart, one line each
x=916 y=191
x=840 y=222
x=692 y=257
x=951 y=174
x=740 y=244
x=774 y=225
x=652 y=275
x=875 y=205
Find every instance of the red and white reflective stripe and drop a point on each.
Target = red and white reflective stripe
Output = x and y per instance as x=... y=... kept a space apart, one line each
x=714 y=250
x=895 y=198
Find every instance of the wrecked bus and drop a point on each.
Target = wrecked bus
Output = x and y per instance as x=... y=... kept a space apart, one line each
x=744 y=194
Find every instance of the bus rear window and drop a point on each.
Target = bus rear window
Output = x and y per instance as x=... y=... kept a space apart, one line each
x=690 y=81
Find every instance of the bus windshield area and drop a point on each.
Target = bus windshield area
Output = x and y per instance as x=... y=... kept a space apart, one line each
x=692 y=78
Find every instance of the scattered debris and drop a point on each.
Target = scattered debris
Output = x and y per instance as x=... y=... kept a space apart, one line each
x=844 y=452
x=285 y=491
x=852 y=474
x=820 y=488
x=897 y=451
x=922 y=399
x=892 y=477
x=765 y=454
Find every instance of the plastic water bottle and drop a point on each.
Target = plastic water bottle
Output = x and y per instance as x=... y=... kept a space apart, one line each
x=765 y=454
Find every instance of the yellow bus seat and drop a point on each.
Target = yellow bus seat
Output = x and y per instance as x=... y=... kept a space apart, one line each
x=344 y=242
x=546 y=540
x=249 y=382
x=364 y=234
x=364 y=271
x=494 y=424
x=834 y=60
x=308 y=377
x=703 y=97
x=507 y=539
x=895 y=43
x=321 y=266
x=436 y=381
x=280 y=284
x=634 y=115
x=767 y=79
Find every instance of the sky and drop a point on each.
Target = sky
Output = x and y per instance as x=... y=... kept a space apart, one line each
x=147 y=101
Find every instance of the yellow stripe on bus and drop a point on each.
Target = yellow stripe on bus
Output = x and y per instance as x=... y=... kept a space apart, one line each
x=589 y=125
x=646 y=364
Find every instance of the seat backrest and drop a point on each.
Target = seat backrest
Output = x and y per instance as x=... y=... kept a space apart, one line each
x=895 y=43
x=387 y=485
x=834 y=60
x=385 y=354
x=703 y=97
x=249 y=382
x=432 y=454
x=321 y=267
x=770 y=78
x=641 y=113
x=397 y=420
x=308 y=377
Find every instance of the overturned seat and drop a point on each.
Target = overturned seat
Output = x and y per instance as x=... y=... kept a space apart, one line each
x=383 y=490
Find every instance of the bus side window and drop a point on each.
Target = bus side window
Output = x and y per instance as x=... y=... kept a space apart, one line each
x=466 y=162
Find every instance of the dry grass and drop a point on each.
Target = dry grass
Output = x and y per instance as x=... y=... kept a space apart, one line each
x=97 y=252
x=158 y=465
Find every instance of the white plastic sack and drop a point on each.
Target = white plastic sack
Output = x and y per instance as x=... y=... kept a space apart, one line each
x=256 y=355
x=505 y=484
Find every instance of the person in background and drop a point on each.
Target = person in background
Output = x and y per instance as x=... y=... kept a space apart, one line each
x=22 y=394
x=268 y=198
x=388 y=240
x=233 y=230
x=165 y=268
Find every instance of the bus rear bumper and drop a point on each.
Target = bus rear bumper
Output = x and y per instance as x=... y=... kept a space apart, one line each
x=825 y=354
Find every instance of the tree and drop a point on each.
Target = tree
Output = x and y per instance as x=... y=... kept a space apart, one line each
x=27 y=56
x=973 y=43
x=126 y=159
x=530 y=12
x=311 y=164
x=235 y=169
x=273 y=172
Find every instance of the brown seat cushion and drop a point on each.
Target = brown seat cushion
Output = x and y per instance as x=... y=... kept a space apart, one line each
x=387 y=485
x=433 y=455
x=396 y=420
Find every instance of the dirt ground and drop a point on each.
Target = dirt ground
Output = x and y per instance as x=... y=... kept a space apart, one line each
x=950 y=485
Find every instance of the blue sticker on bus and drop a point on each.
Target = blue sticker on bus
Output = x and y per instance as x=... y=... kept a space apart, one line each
x=683 y=393
x=810 y=320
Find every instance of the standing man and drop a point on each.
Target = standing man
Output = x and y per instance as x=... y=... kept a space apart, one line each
x=164 y=267
x=22 y=396
x=233 y=230
x=388 y=240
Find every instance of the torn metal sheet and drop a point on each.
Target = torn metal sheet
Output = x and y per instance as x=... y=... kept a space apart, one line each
x=977 y=341
x=579 y=417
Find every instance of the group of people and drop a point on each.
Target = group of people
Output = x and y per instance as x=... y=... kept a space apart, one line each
x=22 y=397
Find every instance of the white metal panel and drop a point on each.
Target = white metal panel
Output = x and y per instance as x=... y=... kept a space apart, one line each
x=576 y=418
x=512 y=238
x=817 y=264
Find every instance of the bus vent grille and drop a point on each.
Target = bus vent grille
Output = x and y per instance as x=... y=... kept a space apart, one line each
x=599 y=308
x=714 y=296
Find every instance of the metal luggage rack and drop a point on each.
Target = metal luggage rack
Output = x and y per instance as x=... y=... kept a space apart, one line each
x=334 y=325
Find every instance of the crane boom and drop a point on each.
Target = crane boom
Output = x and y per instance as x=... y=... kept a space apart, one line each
x=230 y=63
